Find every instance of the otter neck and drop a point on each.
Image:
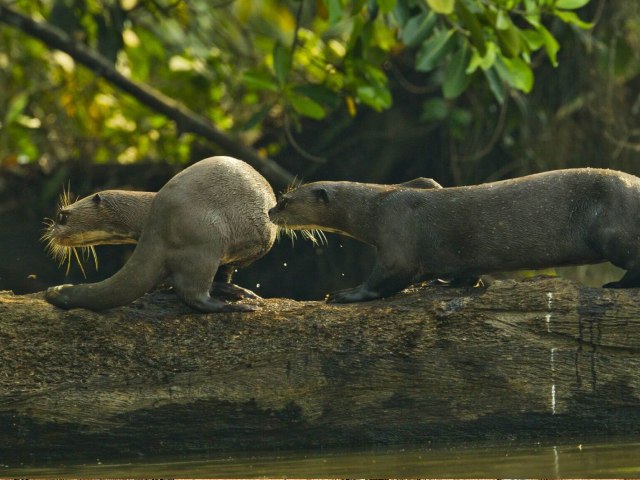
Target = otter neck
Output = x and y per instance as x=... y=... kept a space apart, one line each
x=356 y=217
x=132 y=210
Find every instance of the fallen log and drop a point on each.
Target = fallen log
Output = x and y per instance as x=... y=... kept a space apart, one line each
x=539 y=359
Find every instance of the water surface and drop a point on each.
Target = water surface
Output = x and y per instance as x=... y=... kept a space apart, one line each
x=618 y=459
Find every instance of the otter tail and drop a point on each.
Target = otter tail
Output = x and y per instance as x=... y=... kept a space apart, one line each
x=144 y=270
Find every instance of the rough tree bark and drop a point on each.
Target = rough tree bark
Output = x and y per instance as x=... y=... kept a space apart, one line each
x=532 y=360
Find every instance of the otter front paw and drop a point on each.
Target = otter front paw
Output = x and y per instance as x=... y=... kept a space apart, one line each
x=58 y=296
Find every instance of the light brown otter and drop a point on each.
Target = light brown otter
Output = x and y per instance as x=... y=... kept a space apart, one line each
x=211 y=214
x=113 y=217
x=563 y=217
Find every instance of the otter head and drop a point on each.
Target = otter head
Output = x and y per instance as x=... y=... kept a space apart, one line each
x=310 y=208
x=102 y=218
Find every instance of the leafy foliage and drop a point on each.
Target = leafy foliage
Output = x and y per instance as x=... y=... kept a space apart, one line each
x=250 y=66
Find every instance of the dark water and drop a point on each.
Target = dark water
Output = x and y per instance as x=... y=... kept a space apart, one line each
x=619 y=459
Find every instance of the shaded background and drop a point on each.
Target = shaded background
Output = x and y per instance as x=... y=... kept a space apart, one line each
x=61 y=124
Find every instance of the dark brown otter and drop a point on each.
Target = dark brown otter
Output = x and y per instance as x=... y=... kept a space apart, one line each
x=563 y=217
x=211 y=214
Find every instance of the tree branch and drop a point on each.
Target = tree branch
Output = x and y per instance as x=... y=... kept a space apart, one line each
x=186 y=120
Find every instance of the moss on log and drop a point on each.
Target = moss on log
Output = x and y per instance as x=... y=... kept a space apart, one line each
x=544 y=358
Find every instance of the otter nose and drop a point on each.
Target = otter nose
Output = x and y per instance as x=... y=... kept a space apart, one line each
x=272 y=211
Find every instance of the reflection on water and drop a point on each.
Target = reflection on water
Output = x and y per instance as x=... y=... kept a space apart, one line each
x=620 y=459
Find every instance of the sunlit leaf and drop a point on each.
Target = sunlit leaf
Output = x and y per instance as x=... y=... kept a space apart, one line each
x=307 y=107
x=386 y=5
x=376 y=97
x=516 y=72
x=550 y=44
x=570 y=4
x=572 y=18
x=441 y=6
x=16 y=106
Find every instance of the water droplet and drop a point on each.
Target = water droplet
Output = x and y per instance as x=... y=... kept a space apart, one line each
x=257 y=285
x=285 y=264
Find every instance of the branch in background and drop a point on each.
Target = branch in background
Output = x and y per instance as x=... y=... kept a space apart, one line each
x=186 y=120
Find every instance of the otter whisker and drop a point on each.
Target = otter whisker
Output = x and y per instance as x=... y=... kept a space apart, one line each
x=283 y=230
x=315 y=236
x=95 y=255
x=75 y=252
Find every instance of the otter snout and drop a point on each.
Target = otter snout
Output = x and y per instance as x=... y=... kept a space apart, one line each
x=273 y=213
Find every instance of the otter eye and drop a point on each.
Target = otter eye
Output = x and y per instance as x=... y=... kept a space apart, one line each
x=61 y=218
x=321 y=194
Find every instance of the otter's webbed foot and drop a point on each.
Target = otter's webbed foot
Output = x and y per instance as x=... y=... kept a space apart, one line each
x=358 y=294
x=59 y=296
x=230 y=291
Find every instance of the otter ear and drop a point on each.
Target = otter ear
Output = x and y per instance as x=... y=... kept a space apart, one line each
x=322 y=194
x=97 y=198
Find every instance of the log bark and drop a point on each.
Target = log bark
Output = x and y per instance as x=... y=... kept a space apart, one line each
x=537 y=359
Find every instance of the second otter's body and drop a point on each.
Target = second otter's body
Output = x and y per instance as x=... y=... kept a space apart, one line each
x=211 y=214
x=564 y=217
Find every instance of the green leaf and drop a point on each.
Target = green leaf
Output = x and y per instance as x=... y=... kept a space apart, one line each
x=471 y=22
x=485 y=62
x=16 y=106
x=550 y=44
x=386 y=5
x=402 y=13
x=503 y=22
x=259 y=81
x=432 y=51
x=571 y=4
x=307 y=107
x=434 y=110
x=418 y=28
x=533 y=38
x=335 y=10
x=495 y=84
x=441 y=6
x=572 y=18
x=516 y=72
x=456 y=79
x=377 y=97
x=281 y=62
